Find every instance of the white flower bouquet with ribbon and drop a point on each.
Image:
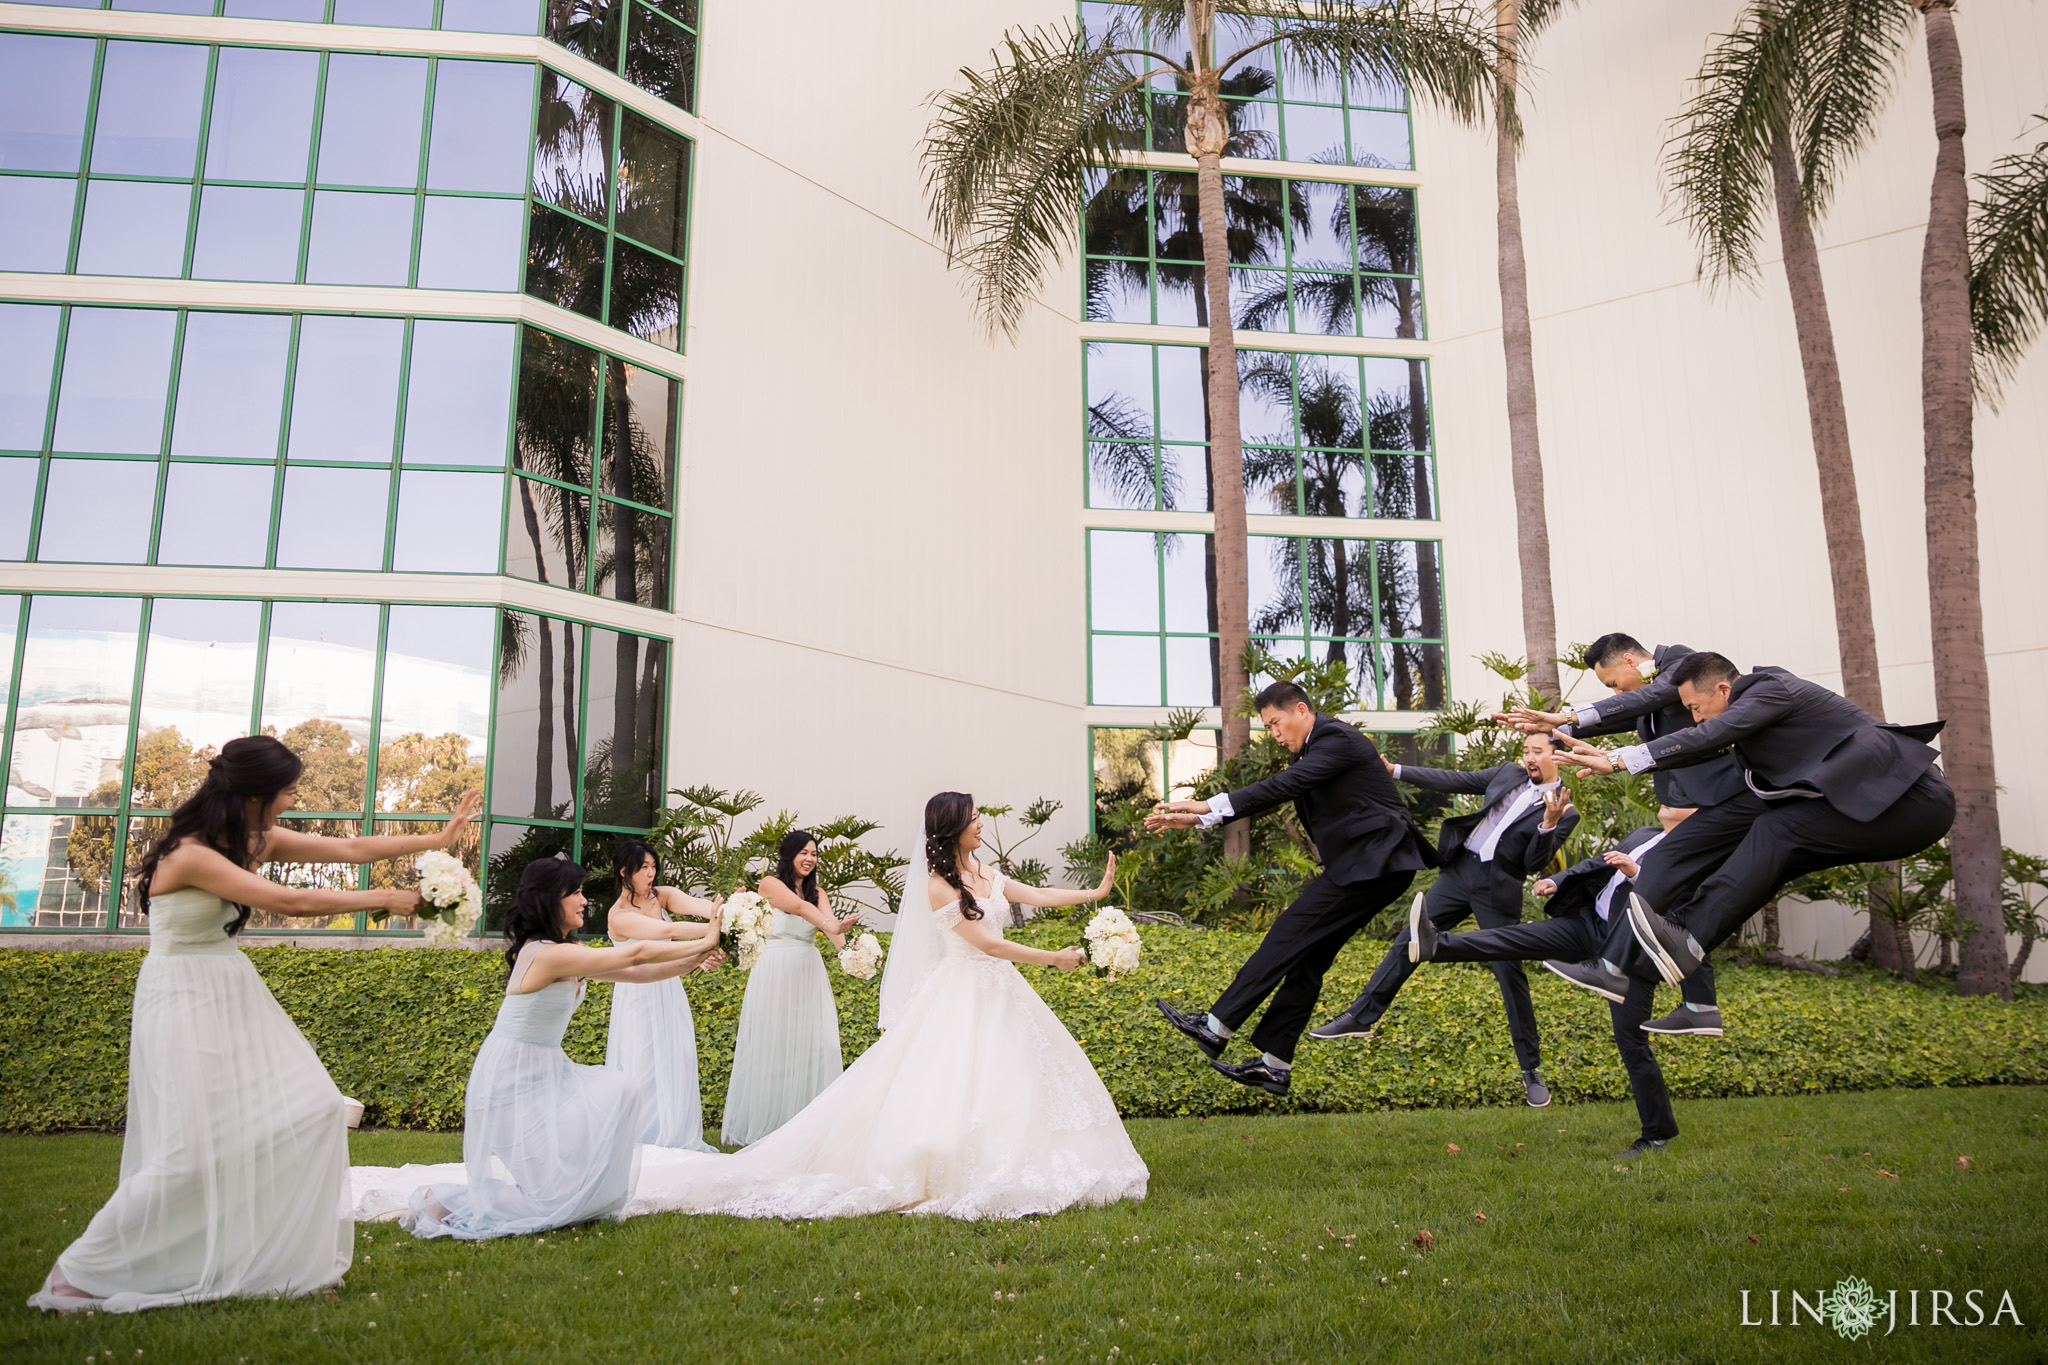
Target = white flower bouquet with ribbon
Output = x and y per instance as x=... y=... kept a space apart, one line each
x=1113 y=943
x=744 y=928
x=450 y=902
x=861 y=957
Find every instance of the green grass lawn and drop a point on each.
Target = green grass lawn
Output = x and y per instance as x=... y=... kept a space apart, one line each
x=1264 y=1239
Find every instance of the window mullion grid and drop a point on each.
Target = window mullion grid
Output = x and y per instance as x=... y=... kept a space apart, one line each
x=1159 y=577
x=1377 y=627
x=419 y=208
x=118 y=844
x=582 y=738
x=199 y=163
x=99 y=68
x=312 y=169
x=526 y=224
x=485 y=824
x=13 y=666
x=397 y=444
x=284 y=438
x=370 y=746
x=43 y=454
x=163 y=467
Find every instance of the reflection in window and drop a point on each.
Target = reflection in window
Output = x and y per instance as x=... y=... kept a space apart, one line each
x=646 y=295
x=470 y=244
x=231 y=385
x=216 y=514
x=70 y=726
x=548 y=536
x=35 y=223
x=18 y=476
x=319 y=876
x=97 y=511
x=346 y=397
x=459 y=400
x=512 y=848
x=654 y=182
x=631 y=562
x=117 y=369
x=661 y=57
x=359 y=238
x=565 y=262
x=28 y=351
x=44 y=86
x=1143 y=766
x=198 y=692
x=479 y=134
x=332 y=518
x=557 y=408
x=534 y=754
x=436 y=707
x=572 y=148
x=622 y=775
x=588 y=28
x=56 y=869
x=148 y=109
x=447 y=522
x=370 y=122
x=403 y=873
x=319 y=677
x=134 y=227
x=262 y=124
x=248 y=234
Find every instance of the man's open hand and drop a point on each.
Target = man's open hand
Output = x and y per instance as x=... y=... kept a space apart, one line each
x=1175 y=815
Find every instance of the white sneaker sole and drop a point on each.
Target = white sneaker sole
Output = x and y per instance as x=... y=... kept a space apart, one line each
x=1416 y=908
x=1646 y=939
x=1573 y=981
x=1703 y=1031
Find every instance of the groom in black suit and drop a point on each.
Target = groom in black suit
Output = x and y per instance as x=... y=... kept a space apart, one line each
x=1370 y=849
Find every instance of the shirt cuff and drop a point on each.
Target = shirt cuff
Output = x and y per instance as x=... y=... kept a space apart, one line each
x=1397 y=772
x=1219 y=811
x=1586 y=715
x=1635 y=757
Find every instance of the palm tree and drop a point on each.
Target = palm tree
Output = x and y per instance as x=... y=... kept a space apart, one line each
x=1010 y=154
x=1780 y=105
x=2009 y=265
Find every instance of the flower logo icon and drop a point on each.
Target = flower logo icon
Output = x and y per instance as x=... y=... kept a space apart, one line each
x=1852 y=1309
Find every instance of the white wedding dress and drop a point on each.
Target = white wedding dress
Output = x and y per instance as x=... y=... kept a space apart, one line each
x=975 y=1103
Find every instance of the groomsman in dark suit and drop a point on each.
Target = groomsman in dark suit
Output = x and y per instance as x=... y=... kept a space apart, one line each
x=1644 y=701
x=1370 y=850
x=1487 y=855
x=1839 y=788
x=1587 y=902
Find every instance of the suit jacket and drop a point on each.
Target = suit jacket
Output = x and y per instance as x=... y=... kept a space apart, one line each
x=1525 y=847
x=1793 y=736
x=1348 y=804
x=1578 y=886
x=1652 y=710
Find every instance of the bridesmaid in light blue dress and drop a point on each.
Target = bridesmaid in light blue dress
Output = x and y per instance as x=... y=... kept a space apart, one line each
x=652 y=1036
x=546 y=1142
x=787 y=1049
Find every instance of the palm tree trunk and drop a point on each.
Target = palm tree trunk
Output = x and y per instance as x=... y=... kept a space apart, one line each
x=1525 y=454
x=1962 y=676
x=1840 y=510
x=1208 y=131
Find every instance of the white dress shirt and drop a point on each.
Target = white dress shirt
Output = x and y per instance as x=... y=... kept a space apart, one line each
x=1485 y=838
x=1605 y=900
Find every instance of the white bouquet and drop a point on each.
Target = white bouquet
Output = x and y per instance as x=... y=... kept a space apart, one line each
x=1113 y=942
x=450 y=900
x=744 y=927
x=861 y=957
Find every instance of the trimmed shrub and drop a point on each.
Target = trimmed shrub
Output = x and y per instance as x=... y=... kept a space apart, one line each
x=399 y=1027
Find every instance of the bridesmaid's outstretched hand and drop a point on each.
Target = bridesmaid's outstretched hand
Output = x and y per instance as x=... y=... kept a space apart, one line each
x=465 y=811
x=1102 y=888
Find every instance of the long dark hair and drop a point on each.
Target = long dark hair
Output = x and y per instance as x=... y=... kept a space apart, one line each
x=946 y=818
x=792 y=844
x=217 y=815
x=536 y=913
x=626 y=860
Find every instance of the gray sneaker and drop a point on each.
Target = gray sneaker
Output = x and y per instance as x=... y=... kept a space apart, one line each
x=1670 y=949
x=1591 y=976
x=1642 y=1147
x=1421 y=933
x=1704 y=1022
x=1537 y=1093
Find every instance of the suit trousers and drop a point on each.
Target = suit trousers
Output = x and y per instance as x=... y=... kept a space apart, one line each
x=1290 y=962
x=1684 y=858
x=1466 y=887
x=1575 y=938
x=1795 y=837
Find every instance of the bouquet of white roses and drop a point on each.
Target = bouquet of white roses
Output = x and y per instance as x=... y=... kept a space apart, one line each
x=449 y=899
x=861 y=957
x=1113 y=942
x=743 y=928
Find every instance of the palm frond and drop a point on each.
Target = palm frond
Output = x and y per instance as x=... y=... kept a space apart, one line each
x=1442 y=49
x=1717 y=163
x=1007 y=157
x=2008 y=266
x=1847 y=51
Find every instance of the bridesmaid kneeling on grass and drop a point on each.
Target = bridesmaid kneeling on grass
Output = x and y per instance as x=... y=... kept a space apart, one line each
x=652 y=1036
x=235 y=1159
x=546 y=1142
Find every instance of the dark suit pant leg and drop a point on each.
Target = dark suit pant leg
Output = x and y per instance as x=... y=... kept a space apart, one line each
x=1645 y=1077
x=1291 y=960
x=1567 y=937
x=1449 y=902
x=1800 y=836
x=1514 y=981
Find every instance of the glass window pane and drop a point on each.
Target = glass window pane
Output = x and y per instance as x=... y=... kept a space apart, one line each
x=198 y=692
x=490 y=16
x=98 y=511
x=359 y=238
x=1119 y=391
x=661 y=58
x=1403 y=486
x=639 y=433
x=685 y=10
x=565 y=262
x=262 y=114
x=1184 y=478
x=35 y=223
x=1127 y=766
x=1314 y=133
x=18 y=476
x=1392 y=306
x=1411 y=591
x=1184 y=562
x=10 y=624
x=28 y=352
x=1117 y=292
x=56 y=868
x=248 y=234
x=325 y=876
x=654 y=180
x=346 y=399
x=1124 y=670
x=1123 y=586
x=385 y=13
x=134 y=228
x=1386 y=229
x=631 y=562
x=1380 y=138
x=588 y=28
x=481 y=111
x=1414 y=676
x=370 y=125
x=448 y=523
x=459 y=402
x=1273 y=565
x=333 y=518
x=167 y=6
x=1340 y=587
x=1183 y=393
x=71 y=716
x=437 y=706
x=647 y=295
x=1190 y=671
x=318 y=680
x=305 y=11
x=471 y=244
x=1120 y=474
x=573 y=147
x=117 y=368
x=216 y=514
x=622 y=773
x=44 y=85
x=548 y=533
x=557 y=405
x=534 y=747
x=1399 y=394
x=1265 y=398
x=148 y=121
x=231 y=385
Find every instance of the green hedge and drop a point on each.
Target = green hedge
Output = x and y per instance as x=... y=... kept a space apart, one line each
x=398 y=1029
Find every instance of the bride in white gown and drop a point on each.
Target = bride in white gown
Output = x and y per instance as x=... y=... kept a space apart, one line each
x=975 y=1103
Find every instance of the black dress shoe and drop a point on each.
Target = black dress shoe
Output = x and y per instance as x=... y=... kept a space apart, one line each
x=1422 y=933
x=1254 y=1072
x=1642 y=1147
x=1593 y=977
x=1343 y=1026
x=1706 y=1023
x=1668 y=947
x=1195 y=1026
